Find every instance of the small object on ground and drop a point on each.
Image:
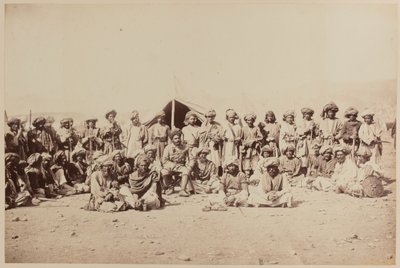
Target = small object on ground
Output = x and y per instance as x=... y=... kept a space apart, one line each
x=61 y=215
x=184 y=257
x=273 y=262
x=354 y=236
x=53 y=230
x=158 y=253
x=14 y=237
x=73 y=233
x=260 y=261
x=293 y=252
x=206 y=209
x=24 y=219
x=115 y=220
x=16 y=219
x=389 y=256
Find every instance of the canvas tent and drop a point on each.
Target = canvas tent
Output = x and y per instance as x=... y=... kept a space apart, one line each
x=175 y=111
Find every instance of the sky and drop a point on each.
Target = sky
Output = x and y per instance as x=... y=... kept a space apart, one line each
x=90 y=58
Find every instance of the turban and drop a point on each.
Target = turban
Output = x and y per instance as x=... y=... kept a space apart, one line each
x=315 y=145
x=57 y=156
x=91 y=119
x=267 y=148
x=160 y=114
x=350 y=111
x=34 y=158
x=366 y=113
x=46 y=156
x=175 y=132
x=364 y=152
x=290 y=147
x=330 y=106
x=22 y=164
x=39 y=121
x=231 y=112
x=288 y=113
x=232 y=161
x=105 y=160
x=188 y=115
x=140 y=159
x=66 y=120
x=13 y=121
x=50 y=120
x=211 y=113
x=202 y=150
x=250 y=116
x=113 y=112
x=115 y=153
x=341 y=148
x=325 y=148
x=134 y=114
x=78 y=151
x=149 y=147
x=97 y=154
x=10 y=156
x=271 y=161
x=307 y=111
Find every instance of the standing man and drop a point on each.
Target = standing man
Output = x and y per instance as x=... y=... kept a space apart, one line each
x=90 y=138
x=15 y=141
x=158 y=135
x=252 y=138
x=136 y=136
x=40 y=139
x=110 y=133
x=232 y=134
x=287 y=135
x=306 y=133
x=370 y=135
x=349 y=132
x=67 y=138
x=331 y=126
x=271 y=132
x=191 y=133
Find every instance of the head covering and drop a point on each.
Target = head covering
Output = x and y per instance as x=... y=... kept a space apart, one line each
x=202 y=150
x=97 y=154
x=113 y=112
x=232 y=161
x=134 y=114
x=211 y=113
x=50 y=120
x=366 y=113
x=315 y=145
x=141 y=158
x=76 y=152
x=22 y=164
x=325 y=148
x=350 y=111
x=175 y=132
x=161 y=114
x=34 y=158
x=231 y=112
x=13 y=121
x=271 y=161
x=149 y=147
x=290 y=147
x=10 y=156
x=39 y=121
x=65 y=120
x=341 y=148
x=364 y=152
x=288 y=113
x=270 y=113
x=250 y=116
x=91 y=119
x=330 y=106
x=57 y=156
x=307 y=111
x=267 y=148
x=188 y=115
x=105 y=160
x=115 y=153
x=46 y=156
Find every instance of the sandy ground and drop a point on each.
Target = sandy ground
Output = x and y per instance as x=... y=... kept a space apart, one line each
x=322 y=228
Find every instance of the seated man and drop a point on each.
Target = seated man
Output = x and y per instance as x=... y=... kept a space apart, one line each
x=121 y=168
x=233 y=185
x=35 y=175
x=48 y=177
x=313 y=159
x=79 y=166
x=273 y=189
x=266 y=152
x=290 y=165
x=345 y=170
x=175 y=162
x=143 y=191
x=204 y=172
x=105 y=196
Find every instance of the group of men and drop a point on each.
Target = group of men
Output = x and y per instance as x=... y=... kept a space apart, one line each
x=246 y=164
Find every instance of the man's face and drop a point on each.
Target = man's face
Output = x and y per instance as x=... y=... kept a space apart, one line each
x=289 y=154
x=161 y=119
x=79 y=158
x=327 y=155
x=14 y=127
x=352 y=117
x=231 y=118
x=46 y=163
x=202 y=157
x=273 y=171
x=40 y=126
x=63 y=160
x=91 y=124
x=231 y=168
x=289 y=119
x=368 y=119
x=266 y=154
x=249 y=122
x=210 y=119
x=316 y=151
x=270 y=118
x=67 y=125
x=135 y=120
x=331 y=114
x=118 y=159
x=176 y=139
x=111 y=118
x=106 y=169
x=362 y=159
x=150 y=155
x=307 y=116
x=143 y=166
x=340 y=156
x=11 y=163
x=192 y=120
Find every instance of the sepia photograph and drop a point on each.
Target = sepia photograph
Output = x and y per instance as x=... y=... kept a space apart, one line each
x=200 y=132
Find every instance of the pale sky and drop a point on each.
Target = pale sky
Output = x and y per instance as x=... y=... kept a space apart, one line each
x=88 y=58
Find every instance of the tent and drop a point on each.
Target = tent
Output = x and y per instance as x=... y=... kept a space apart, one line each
x=175 y=111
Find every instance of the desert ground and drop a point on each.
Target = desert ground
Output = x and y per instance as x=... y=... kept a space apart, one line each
x=321 y=228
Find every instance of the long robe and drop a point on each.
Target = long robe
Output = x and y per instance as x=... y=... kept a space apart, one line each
x=135 y=138
x=370 y=136
x=40 y=141
x=15 y=144
x=329 y=129
x=158 y=136
x=287 y=136
x=232 y=134
x=111 y=137
x=211 y=136
x=272 y=131
x=250 y=146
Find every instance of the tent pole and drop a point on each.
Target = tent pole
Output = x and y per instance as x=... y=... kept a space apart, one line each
x=173 y=114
